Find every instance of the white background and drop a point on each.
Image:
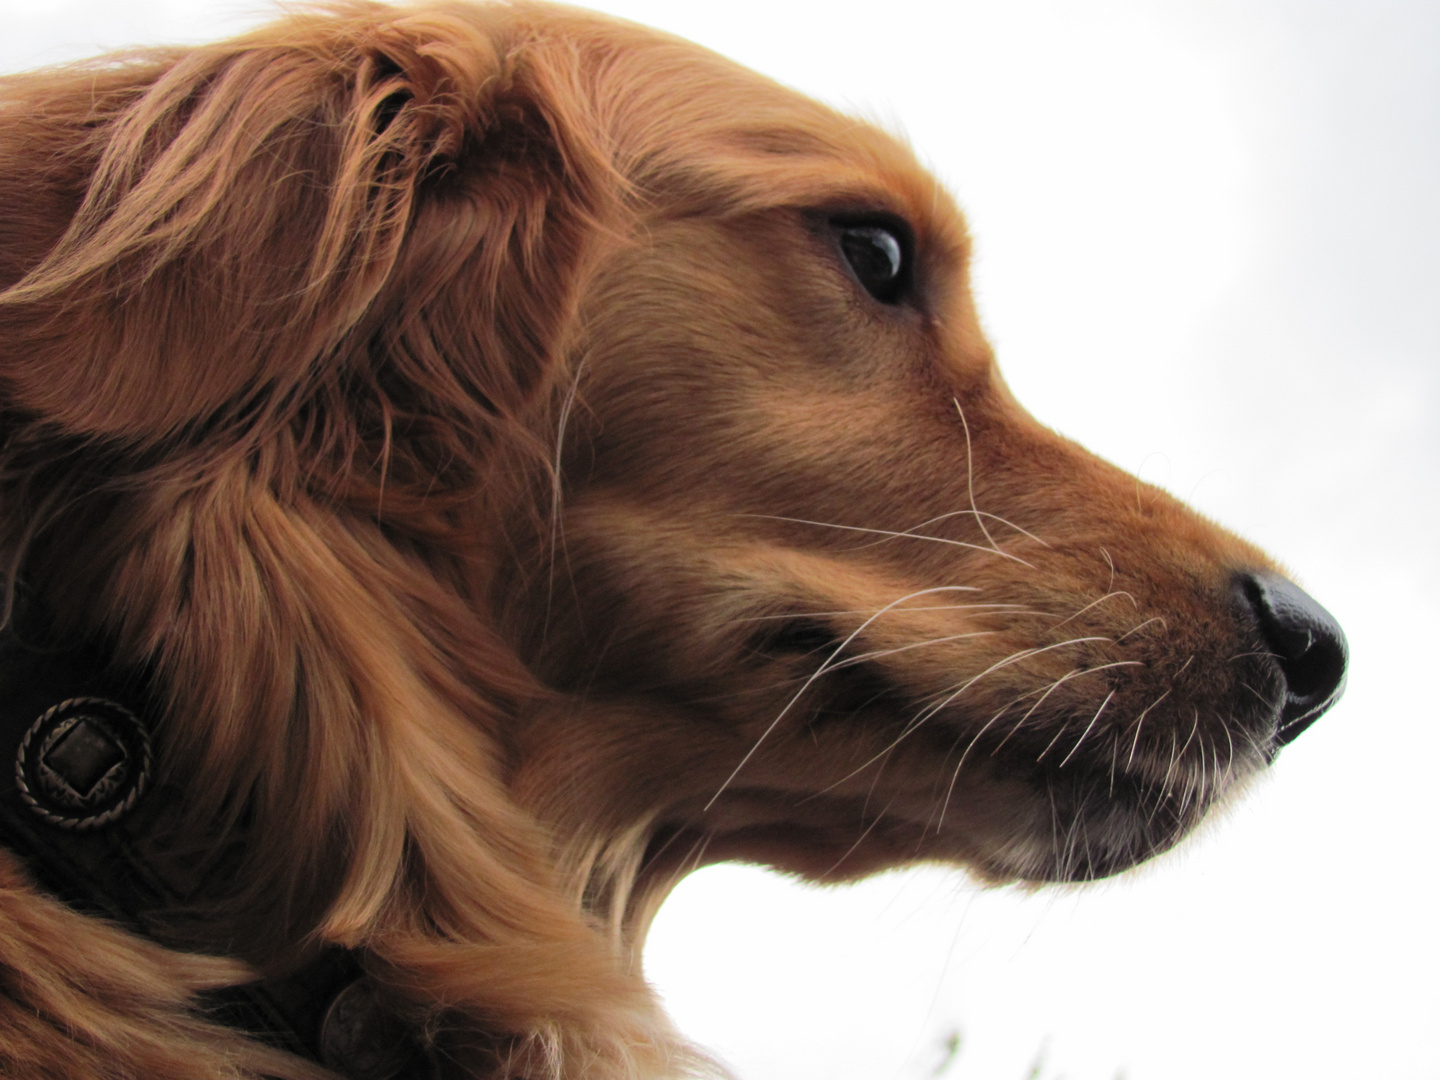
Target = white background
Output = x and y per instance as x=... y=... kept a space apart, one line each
x=1209 y=248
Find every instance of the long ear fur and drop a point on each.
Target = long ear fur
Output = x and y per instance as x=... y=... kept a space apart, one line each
x=307 y=289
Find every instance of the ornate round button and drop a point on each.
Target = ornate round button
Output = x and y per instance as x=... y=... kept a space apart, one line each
x=84 y=763
x=364 y=1040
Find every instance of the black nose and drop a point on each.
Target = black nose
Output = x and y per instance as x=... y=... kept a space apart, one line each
x=1307 y=644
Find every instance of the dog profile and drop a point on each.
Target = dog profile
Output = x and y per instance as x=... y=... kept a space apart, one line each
x=491 y=460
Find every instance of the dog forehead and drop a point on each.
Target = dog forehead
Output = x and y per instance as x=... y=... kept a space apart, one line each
x=698 y=133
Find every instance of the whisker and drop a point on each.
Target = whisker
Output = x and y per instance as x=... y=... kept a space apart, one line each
x=1086 y=731
x=1141 y=626
x=1031 y=712
x=1202 y=780
x=1268 y=701
x=851 y=661
x=1139 y=722
x=1008 y=609
x=858 y=841
x=1192 y=783
x=696 y=855
x=955 y=776
x=1055 y=833
x=1055 y=685
x=910 y=727
x=1166 y=785
x=816 y=674
x=1193 y=729
x=1013 y=658
x=891 y=534
x=980 y=513
x=943 y=701
x=970 y=475
x=691 y=857
x=1095 y=603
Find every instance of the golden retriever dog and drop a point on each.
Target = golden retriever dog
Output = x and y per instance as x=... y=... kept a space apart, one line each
x=466 y=466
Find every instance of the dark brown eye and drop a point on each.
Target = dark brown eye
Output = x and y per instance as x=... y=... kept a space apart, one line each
x=877 y=255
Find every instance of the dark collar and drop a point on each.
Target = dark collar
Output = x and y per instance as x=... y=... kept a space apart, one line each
x=78 y=802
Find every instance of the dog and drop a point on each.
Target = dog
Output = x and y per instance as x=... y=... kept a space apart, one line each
x=465 y=467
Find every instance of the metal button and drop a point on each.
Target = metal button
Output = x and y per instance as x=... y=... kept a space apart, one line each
x=362 y=1039
x=84 y=763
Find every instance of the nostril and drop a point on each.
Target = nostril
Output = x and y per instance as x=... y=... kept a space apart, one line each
x=1307 y=643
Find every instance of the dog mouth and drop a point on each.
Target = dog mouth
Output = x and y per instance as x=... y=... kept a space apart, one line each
x=1027 y=798
x=1014 y=802
x=1058 y=825
x=1067 y=820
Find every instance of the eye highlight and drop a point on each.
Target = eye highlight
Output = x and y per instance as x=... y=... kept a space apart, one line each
x=878 y=254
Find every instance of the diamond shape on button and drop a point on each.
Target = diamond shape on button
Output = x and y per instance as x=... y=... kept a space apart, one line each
x=83 y=763
x=84 y=755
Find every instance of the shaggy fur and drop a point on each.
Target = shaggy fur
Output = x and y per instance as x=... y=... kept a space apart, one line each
x=466 y=417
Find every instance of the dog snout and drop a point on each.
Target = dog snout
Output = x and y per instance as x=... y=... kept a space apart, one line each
x=1307 y=644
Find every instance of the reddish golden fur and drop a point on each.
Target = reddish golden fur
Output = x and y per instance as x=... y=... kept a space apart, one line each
x=440 y=402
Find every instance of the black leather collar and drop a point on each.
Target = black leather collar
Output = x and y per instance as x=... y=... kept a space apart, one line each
x=78 y=802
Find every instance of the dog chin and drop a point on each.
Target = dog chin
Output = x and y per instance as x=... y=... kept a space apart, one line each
x=1072 y=823
x=1086 y=821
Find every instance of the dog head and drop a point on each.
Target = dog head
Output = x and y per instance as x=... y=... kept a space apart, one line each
x=819 y=592
x=533 y=457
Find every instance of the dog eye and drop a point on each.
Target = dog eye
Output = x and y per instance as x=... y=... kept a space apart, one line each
x=877 y=255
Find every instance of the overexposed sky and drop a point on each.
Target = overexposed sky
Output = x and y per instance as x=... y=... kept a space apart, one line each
x=1208 y=247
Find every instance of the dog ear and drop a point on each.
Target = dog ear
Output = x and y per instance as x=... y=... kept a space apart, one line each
x=258 y=224
x=298 y=269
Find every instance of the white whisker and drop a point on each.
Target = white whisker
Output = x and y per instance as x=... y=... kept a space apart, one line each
x=970 y=475
x=955 y=776
x=1015 y=657
x=1064 y=678
x=1008 y=609
x=1269 y=703
x=851 y=661
x=1031 y=712
x=891 y=534
x=1087 y=729
x=1141 y=626
x=816 y=674
x=979 y=514
x=914 y=724
x=1095 y=603
x=1139 y=722
x=858 y=841
x=1195 y=727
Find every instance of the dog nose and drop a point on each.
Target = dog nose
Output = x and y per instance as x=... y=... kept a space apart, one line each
x=1308 y=645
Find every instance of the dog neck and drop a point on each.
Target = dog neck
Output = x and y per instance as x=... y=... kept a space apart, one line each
x=81 y=807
